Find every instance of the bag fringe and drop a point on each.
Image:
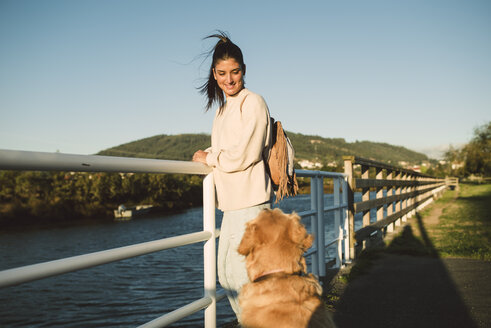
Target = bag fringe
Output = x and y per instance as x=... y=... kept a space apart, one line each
x=287 y=185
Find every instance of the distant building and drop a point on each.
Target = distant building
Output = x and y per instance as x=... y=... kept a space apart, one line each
x=306 y=164
x=457 y=165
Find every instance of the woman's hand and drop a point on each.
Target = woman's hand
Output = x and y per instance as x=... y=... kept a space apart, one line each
x=200 y=156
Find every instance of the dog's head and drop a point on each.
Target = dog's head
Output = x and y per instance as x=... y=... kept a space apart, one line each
x=275 y=241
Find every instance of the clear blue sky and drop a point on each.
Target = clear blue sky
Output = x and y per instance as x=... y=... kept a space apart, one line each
x=83 y=76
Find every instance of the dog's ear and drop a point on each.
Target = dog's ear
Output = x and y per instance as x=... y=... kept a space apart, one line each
x=307 y=242
x=298 y=233
x=248 y=240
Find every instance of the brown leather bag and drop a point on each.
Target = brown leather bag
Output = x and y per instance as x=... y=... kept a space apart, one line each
x=280 y=163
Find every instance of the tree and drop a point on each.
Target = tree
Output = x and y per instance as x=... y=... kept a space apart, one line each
x=453 y=156
x=477 y=153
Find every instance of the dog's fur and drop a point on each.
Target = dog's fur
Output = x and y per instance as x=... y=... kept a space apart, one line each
x=281 y=293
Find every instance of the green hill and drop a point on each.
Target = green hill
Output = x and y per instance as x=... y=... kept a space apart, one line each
x=172 y=147
x=327 y=150
x=307 y=147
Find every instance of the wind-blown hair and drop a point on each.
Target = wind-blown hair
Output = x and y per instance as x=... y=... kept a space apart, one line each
x=224 y=49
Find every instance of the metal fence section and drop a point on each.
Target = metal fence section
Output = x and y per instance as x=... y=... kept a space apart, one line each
x=318 y=209
x=24 y=160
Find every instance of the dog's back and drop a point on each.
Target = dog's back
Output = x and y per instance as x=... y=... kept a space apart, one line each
x=288 y=301
x=281 y=293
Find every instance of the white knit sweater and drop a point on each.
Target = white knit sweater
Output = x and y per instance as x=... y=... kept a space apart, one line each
x=240 y=136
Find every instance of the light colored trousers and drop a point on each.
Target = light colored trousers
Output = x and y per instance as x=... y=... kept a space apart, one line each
x=232 y=272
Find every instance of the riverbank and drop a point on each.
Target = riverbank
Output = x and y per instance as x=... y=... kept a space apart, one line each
x=52 y=198
x=27 y=223
x=436 y=268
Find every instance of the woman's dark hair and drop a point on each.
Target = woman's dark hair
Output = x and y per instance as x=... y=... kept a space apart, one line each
x=224 y=49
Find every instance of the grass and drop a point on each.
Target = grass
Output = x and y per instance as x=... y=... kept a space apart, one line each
x=464 y=228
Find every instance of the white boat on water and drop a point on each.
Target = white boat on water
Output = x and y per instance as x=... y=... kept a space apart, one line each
x=126 y=213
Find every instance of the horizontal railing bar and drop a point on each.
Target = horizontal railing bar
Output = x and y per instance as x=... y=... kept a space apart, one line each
x=377 y=202
x=310 y=251
x=366 y=231
x=308 y=173
x=308 y=213
x=43 y=161
x=369 y=183
x=368 y=162
x=178 y=314
x=335 y=207
x=305 y=214
x=33 y=272
x=332 y=242
x=220 y=295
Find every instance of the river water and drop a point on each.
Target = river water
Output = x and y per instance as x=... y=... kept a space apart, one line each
x=123 y=294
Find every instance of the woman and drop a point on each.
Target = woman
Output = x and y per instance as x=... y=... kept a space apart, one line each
x=241 y=136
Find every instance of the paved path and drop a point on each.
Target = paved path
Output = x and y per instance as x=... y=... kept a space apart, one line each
x=411 y=291
x=418 y=291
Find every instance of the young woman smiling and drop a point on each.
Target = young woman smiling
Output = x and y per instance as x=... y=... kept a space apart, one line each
x=240 y=140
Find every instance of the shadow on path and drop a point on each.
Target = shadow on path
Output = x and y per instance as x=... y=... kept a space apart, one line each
x=406 y=284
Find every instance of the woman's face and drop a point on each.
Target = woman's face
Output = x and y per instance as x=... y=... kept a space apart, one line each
x=230 y=76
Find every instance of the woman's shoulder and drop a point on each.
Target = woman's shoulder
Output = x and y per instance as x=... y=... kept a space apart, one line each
x=248 y=93
x=249 y=97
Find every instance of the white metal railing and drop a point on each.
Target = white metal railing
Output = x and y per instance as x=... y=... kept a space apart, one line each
x=24 y=160
x=318 y=209
x=33 y=272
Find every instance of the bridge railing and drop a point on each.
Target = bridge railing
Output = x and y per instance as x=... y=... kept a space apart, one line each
x=23 y=160
x=318 y=212
x=406 y=192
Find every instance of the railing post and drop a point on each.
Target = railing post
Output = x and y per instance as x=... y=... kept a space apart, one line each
x=365 y=196
x=209 y=250
x=398 y=202
x=321 y=249
x=390 y=206
x=346 y=221
x=414 y=198
x=313 y=223
x=348 y=170
x=338 y=230
x=380 y=194
x=404 y=204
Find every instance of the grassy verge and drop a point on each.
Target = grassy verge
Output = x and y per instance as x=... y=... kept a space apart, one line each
x=464 y=228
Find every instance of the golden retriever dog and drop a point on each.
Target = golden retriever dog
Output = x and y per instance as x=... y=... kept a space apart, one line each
x=281 y=293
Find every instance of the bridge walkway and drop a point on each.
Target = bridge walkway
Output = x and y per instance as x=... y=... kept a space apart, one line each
x=417 y=291
x=401 y=290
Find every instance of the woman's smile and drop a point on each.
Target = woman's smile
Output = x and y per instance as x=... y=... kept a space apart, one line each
x=229 y=76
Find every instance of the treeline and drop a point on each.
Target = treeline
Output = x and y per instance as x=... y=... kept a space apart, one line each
x=41 y=197
x=474 y=158
x=308 y=147
x=329 y=150
x=179 y=147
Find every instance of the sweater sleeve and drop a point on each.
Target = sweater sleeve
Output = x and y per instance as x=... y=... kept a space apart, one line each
x=252 y=138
